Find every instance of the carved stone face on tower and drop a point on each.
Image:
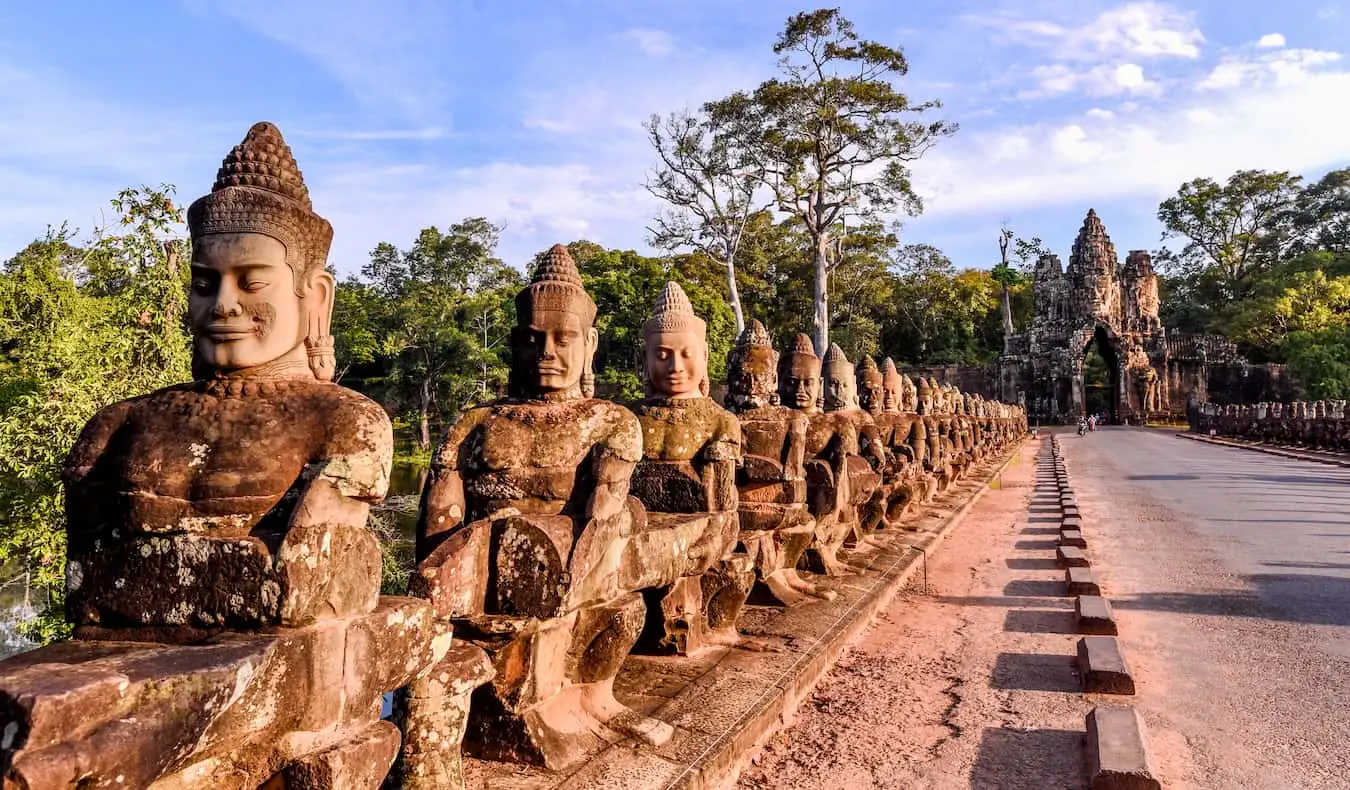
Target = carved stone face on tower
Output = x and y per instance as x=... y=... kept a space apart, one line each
x=260 y=293
x=841 y=387
x=675 y=344
x=800 y=382
x=554 y=339
x=871 y=386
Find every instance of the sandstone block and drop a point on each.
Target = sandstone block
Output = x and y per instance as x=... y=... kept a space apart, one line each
x=1094 y=615
x=1072 y=537
x=1102 y=666
x=1117 y=751
x=1071 y=557
x=1080 y=581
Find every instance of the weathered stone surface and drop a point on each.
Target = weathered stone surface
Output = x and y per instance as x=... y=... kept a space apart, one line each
x=1094 y=616
x=1071 y=557
x=1080 y=581
x=1102 y=666
x=1320 y=425
x=1117 y=751
x=1072 y=537
x=358 y=762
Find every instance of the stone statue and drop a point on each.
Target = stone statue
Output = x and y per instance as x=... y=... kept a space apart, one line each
x=524 y=534
x=687 y=481
x=218 y=548
x=833 y=458
x=881 y=392
x=775 y=526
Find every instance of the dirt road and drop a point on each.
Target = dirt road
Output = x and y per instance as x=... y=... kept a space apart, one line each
x=970 y=685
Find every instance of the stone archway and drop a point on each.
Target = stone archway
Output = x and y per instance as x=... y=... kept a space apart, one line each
x=1103 y=395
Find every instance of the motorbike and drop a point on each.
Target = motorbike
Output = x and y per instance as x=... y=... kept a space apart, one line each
x=1082 y=428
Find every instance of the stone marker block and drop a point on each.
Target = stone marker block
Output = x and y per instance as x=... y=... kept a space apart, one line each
x=1071 y=522
x=1102 y=666
x=1071 y=557
x=1080 y=581
x=1072 y=537
x=1071 y=510
x=1066 y=493
x=1117 y=751
x=1094 y=615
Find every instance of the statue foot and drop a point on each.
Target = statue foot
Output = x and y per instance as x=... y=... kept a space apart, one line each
x=597 y=700
x=810 y=588
x=782 y=589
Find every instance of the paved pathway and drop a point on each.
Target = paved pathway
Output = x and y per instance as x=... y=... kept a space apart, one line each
x=1230 y=574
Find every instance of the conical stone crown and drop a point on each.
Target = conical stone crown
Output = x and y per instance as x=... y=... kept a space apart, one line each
x=835 y=363
x=556 y=286
x=673 y=313
x=754 y=336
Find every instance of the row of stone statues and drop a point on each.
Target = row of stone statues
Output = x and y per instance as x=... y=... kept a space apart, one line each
x=224 y=586
x=1320 y=425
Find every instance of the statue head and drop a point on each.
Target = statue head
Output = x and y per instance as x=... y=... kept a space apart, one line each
x=925 y=397
x=675 y=347
x=871 y=387
x=799 y=379
x=554 y=339
x=752 y=369
x=841 y=388
x=909 y=395
x=260 y=293
x=892 y=386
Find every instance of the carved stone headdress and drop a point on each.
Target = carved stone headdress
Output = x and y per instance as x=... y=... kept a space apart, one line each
x=556 y=286
x=259 y=189
x=673 y=313
x=835 y=364
x=753 y=347
x=893 y=382
x=802 y=353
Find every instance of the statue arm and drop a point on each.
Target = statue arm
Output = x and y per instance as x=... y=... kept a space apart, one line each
x=721 y=456
x=443 y=506
x=79 y=474
x=794 y=450
x=612 y=465
x=353 y=472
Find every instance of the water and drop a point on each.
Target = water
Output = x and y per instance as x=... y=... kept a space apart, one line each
x=405 y=491
x=18 y=604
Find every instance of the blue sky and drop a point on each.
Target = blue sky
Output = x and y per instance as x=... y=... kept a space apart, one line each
x=407 y=113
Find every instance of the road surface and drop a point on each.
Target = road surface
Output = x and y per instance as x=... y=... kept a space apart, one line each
x=1229 y=571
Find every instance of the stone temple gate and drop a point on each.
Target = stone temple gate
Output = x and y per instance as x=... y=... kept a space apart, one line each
x=1098 y=301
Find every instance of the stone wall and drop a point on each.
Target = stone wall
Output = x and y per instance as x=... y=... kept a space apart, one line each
x=1316 y=425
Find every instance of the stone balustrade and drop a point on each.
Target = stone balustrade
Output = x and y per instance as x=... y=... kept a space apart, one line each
x=1316 y=425
x=224 y=585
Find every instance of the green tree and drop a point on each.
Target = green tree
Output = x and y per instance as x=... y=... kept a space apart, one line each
x=831 y=138
x=436 y=318
x=939 y=310
x=1233 y=231
x=81 y=327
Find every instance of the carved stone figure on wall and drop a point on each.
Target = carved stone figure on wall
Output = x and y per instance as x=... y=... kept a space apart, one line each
x=841 y=401
x=687 y=481
x=234 y=503
x=524 y=534
x=775 y=526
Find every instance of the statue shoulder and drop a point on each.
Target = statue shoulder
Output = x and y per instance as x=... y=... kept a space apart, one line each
x=617 y=428
x=105 y=424
x=358 y=452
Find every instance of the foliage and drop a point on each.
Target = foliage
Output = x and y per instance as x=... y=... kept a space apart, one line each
x=831 y=137
x=81 y=327
x=940 y=312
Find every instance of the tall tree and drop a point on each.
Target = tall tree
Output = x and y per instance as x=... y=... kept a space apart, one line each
x=1234 y=230
x=831 y=138
x=710 y=185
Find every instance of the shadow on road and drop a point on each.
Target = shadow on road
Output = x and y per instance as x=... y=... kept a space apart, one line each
x=1290 y=597
x=1039 y=621
x=1031 y=563
x=1034 y=588
x=1028 y=760
x=1034 y=672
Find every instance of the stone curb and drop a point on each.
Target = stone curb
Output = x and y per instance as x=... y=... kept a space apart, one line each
x=1117 y=751
x=1263 y=449
x=1102 y=666
x=720 y=764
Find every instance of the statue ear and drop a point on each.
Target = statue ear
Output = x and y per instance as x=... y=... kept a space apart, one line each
x=319 y=292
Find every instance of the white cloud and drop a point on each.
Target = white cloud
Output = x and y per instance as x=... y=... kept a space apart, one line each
x=1097 y=113
x=1282 y=68
x=1105 y=80
x=1275 y=121
x=1271 y=41
x=1132 y=30
x=656 y=43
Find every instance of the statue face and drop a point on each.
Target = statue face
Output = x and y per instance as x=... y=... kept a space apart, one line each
x=552 y=351
x=243 y=305
x=755 y=375
x=677 y=363
x=801 y=390
x=841 y=392
x=872 y=393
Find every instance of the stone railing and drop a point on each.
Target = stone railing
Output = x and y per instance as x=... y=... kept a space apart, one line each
x=1318 y=425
